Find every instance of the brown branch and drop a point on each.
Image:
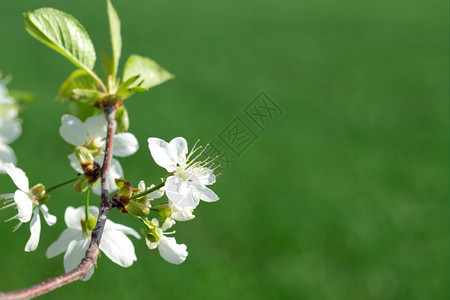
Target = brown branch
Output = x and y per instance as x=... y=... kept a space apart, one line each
x=90 y=259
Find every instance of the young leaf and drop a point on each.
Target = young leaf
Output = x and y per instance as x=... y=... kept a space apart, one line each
x=90 y=97
x=79 y=79
x=150 y=73
x=116 y=39
x=63 y=33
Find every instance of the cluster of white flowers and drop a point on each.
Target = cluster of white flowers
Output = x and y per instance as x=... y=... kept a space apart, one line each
x=185 y=185
x=10 y=127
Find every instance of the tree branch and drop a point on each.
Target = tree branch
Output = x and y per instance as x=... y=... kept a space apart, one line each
x=90 y=258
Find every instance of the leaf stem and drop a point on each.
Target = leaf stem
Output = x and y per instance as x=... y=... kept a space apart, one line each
x=148 y=191
x=48 y=190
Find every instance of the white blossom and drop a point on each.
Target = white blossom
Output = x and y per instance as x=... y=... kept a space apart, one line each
x=92 y=135
x=26 y=205
x=167 y=246
x=74 y=241
x=186 y=185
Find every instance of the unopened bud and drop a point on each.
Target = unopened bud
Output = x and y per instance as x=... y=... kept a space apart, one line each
x=137 y=209
x=82 y=184
x=37 y=191
x=84 y=155
x=125 y=188
x=163 y=209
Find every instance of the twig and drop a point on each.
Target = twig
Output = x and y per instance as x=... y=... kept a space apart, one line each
x=90 y=258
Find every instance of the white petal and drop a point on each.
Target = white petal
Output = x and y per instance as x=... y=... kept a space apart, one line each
x=73 y=131
x=168 y=223
x=96 y=127
x=151 y=245
x=10 y=130
x=208 y=195
x=49 y=218
x=6 y=156
x=155 y=194
x=74 y=163
x=75 y=253
x=8 y=112
x=61 y=244
x=205 y=176
x=180 y=194
x=18 y=177
x=179 y=149
x=118 y=247
x=181 y=214
x=24 y=206
x=161 y=153
x=125 y=144
x=35 y=229
x=171 y=251
x=72 y=216
x=4 y=97
x=124 y=229
x=141 y=185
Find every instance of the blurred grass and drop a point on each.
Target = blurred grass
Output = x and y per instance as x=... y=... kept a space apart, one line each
x=344 y=197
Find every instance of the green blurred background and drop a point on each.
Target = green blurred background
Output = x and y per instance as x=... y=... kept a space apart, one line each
x=345 y=196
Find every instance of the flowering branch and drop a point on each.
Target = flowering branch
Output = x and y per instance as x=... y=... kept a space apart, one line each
x=95 y=143
x=90 y=258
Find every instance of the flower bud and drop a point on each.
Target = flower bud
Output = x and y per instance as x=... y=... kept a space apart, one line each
x=84 y=156
x=163 y=209
x=37 y=191
x=82 y=184
x=137 y=209
x=125 y=188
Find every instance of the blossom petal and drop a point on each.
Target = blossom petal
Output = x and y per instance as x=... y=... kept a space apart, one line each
x=118 y=247
x=171 y=251
x=181 y=214
x=125 y=144
x=75 y=253
x=61 y=244
x=73 y=130
x=18 y=177
x=124 y=229
x=156 y=193
x=205 y=176
x=151 y=245
x=10 y=130
x=208 y=195
x=6 y=156
x=180 y=193
x=49 y=218
x=162 y=154
x=179 y=149
x=24 y=206
x=72 y=216
x=35 y=229
x=74 y=163
x=96 y=127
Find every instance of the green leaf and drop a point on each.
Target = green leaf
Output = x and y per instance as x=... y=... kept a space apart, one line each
x=81 y=111
x=150 y=73
x=90 y=97
x=63 y=33
x=116 y=39
x=79 y=79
